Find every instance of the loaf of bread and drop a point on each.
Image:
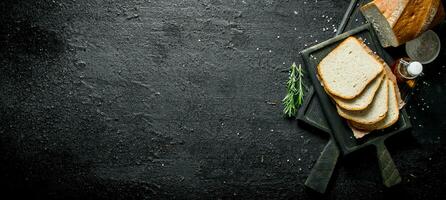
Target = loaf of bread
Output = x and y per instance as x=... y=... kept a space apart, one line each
x=399 y=21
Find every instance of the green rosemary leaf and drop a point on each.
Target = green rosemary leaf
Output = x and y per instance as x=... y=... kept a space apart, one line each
x=295 y=91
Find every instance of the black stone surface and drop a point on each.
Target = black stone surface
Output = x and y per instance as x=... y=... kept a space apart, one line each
x=181 y=99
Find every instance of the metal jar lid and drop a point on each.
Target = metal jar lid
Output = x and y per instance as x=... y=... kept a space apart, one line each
x=425 y=48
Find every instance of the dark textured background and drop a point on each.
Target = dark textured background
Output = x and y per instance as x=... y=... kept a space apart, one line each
x=181 y=99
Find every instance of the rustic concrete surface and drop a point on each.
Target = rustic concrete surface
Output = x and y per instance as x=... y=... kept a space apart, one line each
x=161 y=99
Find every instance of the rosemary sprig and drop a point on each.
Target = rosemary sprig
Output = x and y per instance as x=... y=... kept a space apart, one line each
x=295 y=91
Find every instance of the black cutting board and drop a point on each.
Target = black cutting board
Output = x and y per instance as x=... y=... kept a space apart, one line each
x=310 y=113
x=313 y=55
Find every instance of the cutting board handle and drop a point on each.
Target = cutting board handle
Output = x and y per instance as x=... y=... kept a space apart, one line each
x=323 y=169
x=389 y=172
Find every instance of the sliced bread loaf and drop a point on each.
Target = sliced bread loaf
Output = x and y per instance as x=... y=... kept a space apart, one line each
x=364 y=99
x=392 y=112
x=398 y=21
x=374 y=113
x=349 y=68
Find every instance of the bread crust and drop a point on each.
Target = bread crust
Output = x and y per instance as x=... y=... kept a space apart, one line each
x=439 y=17
x=391 y=9
x=370 y=53
x=430 y=16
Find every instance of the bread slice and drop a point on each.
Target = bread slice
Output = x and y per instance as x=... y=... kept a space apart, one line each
x=349 y=68
x=392 y=77
x=392 y=113
x=372 y=114
x=398 y=21
x=364 y=99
